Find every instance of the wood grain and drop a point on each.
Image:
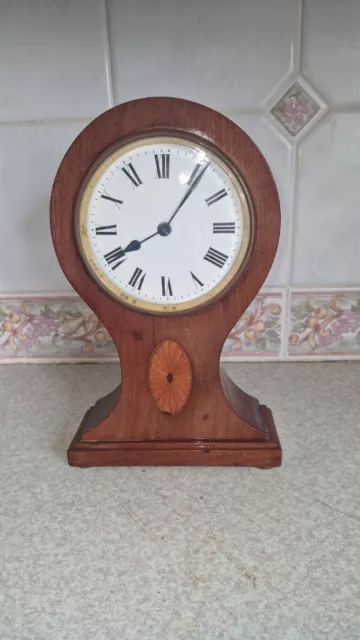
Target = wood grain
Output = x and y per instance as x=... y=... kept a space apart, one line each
x=210 y=414
x=263 y=455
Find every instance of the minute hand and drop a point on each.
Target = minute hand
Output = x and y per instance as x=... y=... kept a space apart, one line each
x=189 y=192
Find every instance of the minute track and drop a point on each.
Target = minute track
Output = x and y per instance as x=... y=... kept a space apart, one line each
x=196 y=250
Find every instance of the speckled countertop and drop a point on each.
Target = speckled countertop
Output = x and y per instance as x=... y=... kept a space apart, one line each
x=181 y=553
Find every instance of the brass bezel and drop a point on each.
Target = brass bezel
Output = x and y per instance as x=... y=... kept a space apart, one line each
x=80 y=219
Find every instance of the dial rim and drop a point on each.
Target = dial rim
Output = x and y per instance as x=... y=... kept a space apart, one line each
x=90 y=182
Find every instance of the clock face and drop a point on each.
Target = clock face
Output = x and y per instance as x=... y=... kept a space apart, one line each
x=163 y=224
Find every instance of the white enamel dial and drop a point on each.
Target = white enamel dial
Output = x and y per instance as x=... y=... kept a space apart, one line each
x=164 y=224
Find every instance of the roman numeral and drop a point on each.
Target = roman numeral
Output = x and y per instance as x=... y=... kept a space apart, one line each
x=109 y=230
x=111 y=199
x=162 y=165
x=137 y=279
x=166 y=289
x=115 y=256
x=196 y=280
x=193 y=175
x=217 y=196
x=224 y=227
x=131 y=174
x=216 y=257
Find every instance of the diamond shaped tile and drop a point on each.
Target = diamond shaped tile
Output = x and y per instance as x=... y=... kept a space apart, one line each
x=295 y=109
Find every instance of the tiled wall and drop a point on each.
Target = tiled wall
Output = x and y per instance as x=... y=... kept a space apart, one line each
x=286 y=71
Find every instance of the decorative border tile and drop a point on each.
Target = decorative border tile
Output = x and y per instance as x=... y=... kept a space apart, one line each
x=63 y=328
x=52 y=329
x=325 y=324
x=258 y=332
x=318 y=324
x=295 y=109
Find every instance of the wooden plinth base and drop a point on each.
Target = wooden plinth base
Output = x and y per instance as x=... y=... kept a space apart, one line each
x=264 y=454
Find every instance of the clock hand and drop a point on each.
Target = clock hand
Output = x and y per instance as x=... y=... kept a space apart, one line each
x=189 y=191
x=164 y=228
x=135 y=245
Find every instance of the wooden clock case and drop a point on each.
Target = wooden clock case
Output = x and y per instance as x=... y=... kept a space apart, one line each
x=220 y=424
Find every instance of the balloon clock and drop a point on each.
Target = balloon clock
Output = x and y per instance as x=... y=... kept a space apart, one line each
x=165 y=219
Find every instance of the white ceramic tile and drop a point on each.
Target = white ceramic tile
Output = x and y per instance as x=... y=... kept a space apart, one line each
x=53 y=63
x=331 y=51
x=277 y=153
x=327 y=226
x=29 y=157
x=223 y=54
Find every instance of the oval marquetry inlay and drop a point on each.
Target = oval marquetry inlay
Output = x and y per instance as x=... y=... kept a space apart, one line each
x=170 y=376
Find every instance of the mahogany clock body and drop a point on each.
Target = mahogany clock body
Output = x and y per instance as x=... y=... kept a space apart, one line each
x=220 y=424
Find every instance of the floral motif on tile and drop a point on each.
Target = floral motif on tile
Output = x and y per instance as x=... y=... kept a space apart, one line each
x=65 y=328
x=51 y=328
x=258 y=332
x=295 y=109
x=325 y=323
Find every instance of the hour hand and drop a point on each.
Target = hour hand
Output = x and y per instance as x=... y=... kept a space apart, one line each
x=135 y=245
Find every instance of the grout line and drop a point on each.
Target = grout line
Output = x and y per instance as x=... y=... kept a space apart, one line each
x=60 y=360
x=350 y=107
x=48 y=121
x=296 y=51
x=40 y=295
x=300 y=36
x=229 y=112
x=323 y=357
x=63 y=120
x=106 y=45
x=314 y=83
x=295 y=164
x=279 y=130
x=247 y=358
x=325 y=289
x=287 y=324
x=285 y=317
x=238 y=111
x=266 y=290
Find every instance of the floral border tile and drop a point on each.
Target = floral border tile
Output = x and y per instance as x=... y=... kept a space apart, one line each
x=325 y=324
x=322 y=324
x=295 y=109
x=52 y=328
x=65 y=329
x=258 y=332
